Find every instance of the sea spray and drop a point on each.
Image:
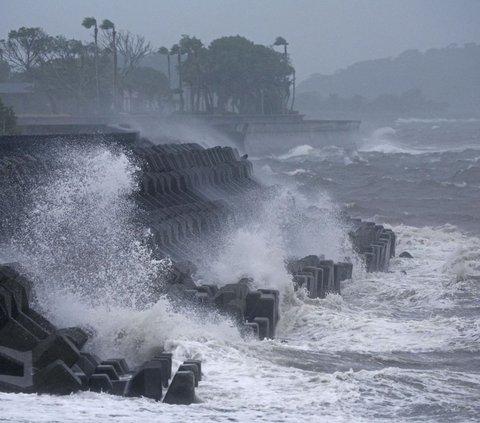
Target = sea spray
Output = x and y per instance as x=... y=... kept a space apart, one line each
x=121 y=331
x=383 y=140
x=81 y=231
x=398 y=346
x=82 y=236
x=286 y=224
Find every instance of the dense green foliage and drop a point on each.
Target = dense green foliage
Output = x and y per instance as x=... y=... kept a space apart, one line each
x=70 y=75
x=8 y=120
x=232 y=74
x=149 y=83
x=255 y=78
x=235 y=74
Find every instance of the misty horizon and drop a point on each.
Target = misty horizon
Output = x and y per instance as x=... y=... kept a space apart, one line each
x=323 y=37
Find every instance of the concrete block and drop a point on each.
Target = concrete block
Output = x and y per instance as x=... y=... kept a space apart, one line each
x=118 y=387
x=76 y=335
x=13 y=335
x=198 y=363
x=314 y=289
x=108 y=370
x=191 y=367
x=182 y=389
x=100 y=383
x=342 y=271
x=55 y=347
x=263 y=326
x=120 y=365
x=15 y=370
x=168 y=357
x=56 y=378
x=146 y=382
x=86 y=365
x=164 y=364
x=251 y=329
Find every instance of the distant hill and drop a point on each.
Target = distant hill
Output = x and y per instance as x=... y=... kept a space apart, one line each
x=445 y=75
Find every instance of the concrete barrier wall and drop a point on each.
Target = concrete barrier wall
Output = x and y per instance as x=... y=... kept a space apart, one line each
x=190 y=192
x=35 y=356
x=187 y=193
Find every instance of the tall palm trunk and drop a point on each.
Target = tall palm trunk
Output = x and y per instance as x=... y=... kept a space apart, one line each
x=180 y=82
x=293 y=90
x=96 y=67
x=169 y=72
x=115 y=73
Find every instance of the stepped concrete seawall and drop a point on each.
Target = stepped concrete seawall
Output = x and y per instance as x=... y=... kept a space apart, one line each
x=187 y=193
x=190 y=192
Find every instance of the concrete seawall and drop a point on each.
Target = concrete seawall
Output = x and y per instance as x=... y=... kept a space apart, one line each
x=187 y=193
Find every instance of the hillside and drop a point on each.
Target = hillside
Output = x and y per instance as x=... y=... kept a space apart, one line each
x=446 y=75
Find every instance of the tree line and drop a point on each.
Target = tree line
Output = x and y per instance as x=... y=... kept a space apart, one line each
x=231 y=74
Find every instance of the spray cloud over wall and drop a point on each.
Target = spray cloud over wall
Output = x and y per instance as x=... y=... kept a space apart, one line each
x=80 y=232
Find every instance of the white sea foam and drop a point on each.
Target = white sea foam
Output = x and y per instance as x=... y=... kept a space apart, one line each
x=382 y=140
x=79 y=232
x=296 y=172
x=306 y=150
x=304 y=374
x=137 y=334
x=287 y=225
x=429 y=121
x=386 y=140
x=258 y=381
x=301 y=150
x=372 y=313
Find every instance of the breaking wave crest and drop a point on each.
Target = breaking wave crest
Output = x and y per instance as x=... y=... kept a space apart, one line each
x=395 y=346
x=83 y=238
x=80 y=232
x=435 y=120
x=382 y=140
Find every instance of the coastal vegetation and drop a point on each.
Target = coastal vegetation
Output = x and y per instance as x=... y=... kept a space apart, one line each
x=8 y=120
x=121 y=71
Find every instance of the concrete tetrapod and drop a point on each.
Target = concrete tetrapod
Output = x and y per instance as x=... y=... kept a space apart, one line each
x=182 y=389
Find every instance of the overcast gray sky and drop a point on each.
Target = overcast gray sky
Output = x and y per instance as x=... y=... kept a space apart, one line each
x=324 y=35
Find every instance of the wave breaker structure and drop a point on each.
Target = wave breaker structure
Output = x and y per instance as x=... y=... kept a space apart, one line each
x=187 y=194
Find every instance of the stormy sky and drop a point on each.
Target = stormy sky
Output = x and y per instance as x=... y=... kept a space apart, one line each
x=324 y=35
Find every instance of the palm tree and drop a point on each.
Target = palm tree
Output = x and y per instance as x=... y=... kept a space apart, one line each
x=178 y=51
x=164 y=52
x=192 y=46
x=293 y=90
x=106 y=26
x=88 y=23
x=280 y=41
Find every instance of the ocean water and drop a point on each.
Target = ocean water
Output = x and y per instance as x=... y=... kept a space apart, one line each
x=401 y=346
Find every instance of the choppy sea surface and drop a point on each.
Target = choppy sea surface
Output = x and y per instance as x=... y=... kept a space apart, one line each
x=402 y=346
